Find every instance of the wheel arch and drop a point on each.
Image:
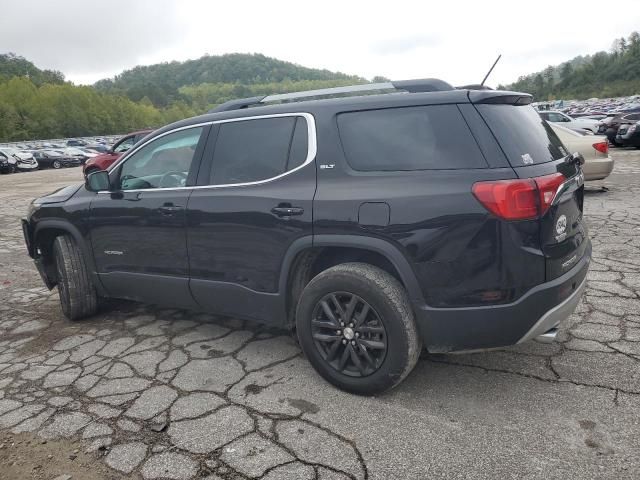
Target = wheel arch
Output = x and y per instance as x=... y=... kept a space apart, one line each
x=309 y=256
x=45 y=233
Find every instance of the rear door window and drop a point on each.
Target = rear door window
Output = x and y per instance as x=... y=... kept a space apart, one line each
x=525 y=138
x=432 y=137
x=254 y=150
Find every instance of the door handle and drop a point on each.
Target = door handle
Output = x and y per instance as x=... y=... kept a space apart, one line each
x=287 y=211
x=169 y=209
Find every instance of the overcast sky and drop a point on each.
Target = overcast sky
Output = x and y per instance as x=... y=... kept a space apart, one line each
x=456 y=40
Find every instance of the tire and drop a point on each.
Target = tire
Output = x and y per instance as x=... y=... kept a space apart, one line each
x=56 y=164
x=389 y=308
x=77 y=294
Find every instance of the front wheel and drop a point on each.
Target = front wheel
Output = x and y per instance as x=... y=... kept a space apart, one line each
x=77 y=295
x=355 y=325
x=56 y=164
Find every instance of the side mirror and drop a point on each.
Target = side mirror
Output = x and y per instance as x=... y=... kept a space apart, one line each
x=98 y=181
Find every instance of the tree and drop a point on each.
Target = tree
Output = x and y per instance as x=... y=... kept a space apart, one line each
x=602 y=74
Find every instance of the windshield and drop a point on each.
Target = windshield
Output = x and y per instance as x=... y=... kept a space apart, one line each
x=525 y=138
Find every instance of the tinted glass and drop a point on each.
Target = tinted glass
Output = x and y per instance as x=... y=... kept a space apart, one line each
x=162 y=163
x=525 y=137
x=414 y=138
x=251 y=150
x=299 y=144
x=125 y=145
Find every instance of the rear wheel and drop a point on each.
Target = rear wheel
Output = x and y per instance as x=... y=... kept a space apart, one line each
x=77 y=295
x=56 y=164
x=355 y=325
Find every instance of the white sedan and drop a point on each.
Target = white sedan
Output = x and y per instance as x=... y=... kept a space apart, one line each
x=76 y=152
x=594 y=148
x=565 y=120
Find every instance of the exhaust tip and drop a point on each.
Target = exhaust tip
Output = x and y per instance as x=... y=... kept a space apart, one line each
x=548 y=337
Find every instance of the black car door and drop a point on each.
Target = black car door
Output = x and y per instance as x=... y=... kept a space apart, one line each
x=253 y=200
x=137 y=229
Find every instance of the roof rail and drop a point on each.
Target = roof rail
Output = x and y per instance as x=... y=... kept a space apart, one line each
x=237 y=104
x=474 y=86
x=412 y=86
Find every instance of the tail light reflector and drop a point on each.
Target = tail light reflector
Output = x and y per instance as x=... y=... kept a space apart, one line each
x=602 y=147
x=519 y=199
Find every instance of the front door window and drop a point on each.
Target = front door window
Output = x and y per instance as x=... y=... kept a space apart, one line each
x=163 y=163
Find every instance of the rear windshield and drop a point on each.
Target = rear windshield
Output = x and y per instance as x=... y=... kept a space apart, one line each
x=410 y=138
x=525 y=138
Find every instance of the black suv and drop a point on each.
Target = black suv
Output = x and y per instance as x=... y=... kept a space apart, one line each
x=398 y=216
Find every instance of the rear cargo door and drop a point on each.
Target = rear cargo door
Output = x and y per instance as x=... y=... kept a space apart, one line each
x=535 y=152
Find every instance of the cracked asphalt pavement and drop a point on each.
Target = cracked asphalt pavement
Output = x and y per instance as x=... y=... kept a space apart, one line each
x=158 y=393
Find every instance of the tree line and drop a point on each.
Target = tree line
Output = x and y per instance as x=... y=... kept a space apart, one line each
x=161 y=83
x=28 y=111
x=39 y=104
x=64 y=110
x=605 y=74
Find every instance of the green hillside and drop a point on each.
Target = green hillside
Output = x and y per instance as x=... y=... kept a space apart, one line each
x=13 y=65
x=603 y=74
x=161 y=83
x=38 y=103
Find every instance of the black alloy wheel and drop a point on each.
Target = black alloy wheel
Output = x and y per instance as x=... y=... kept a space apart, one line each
x=349 y=334
x=356 y=327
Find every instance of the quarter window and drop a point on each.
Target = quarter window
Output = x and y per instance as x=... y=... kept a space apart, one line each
x=254 y=150
x=411 y=138
x=162 y=163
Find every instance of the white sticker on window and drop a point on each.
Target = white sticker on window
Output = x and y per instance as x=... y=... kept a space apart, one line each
x=527 y=159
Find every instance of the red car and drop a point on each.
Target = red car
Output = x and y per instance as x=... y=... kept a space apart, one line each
x=104 y=160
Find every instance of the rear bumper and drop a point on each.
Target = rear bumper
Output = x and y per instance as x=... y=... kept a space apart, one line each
x=598 y=168
x=548 y=323
x=536 y=313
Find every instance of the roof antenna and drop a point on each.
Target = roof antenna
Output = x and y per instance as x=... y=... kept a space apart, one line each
x=491 y=70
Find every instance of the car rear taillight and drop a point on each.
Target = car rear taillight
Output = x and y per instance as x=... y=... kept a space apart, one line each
x=602 y=147
x=519 y=199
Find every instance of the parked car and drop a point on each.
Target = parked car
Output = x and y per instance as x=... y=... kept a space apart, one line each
x=97 y=147
x=598 y=164
x=26 y=164
x=55 y=159
x=20 y=160
x=609 y=126
x=628 y=135
x=567 y=121
x=15 y=153
x=74 y=142
x=398 y=222
x=105 y=160
x=79 y=153
x=6 y=165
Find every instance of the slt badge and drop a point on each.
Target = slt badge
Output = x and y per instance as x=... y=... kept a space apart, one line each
x=561 y=228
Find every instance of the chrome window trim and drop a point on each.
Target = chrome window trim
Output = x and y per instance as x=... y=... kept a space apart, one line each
x=312 y=150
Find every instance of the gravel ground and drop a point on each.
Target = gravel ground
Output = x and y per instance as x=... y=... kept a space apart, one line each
x=155 y=393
